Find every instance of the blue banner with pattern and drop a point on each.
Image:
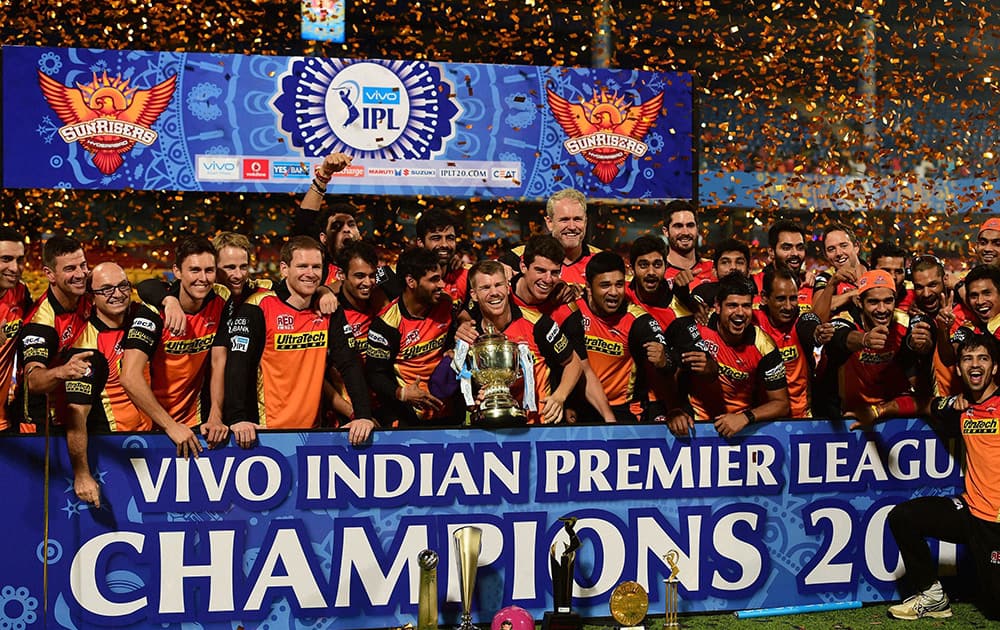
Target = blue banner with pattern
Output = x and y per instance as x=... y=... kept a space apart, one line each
x=304 y=531
x=82 y=118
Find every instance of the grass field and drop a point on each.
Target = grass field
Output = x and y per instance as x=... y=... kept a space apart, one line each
x=873 y=616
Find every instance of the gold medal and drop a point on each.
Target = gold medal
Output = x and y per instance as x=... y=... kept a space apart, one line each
x=629 y=603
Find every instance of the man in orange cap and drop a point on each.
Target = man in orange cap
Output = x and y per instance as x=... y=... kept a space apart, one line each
x=877 y=363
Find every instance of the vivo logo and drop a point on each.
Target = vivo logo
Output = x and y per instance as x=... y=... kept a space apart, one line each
x=218 y=167
x=380 y=95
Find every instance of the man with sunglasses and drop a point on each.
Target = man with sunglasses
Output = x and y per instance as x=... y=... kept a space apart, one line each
x=96 y=400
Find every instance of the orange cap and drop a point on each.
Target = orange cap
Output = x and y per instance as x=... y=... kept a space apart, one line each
x=876 y=279
x=992 y=223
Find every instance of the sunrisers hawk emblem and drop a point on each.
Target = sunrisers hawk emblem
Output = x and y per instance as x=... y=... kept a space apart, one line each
x=604 y=129
x=106 y=116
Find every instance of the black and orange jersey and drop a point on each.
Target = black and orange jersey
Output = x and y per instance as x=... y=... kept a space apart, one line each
x=823 y=280
x=15 y=304
x=805 y=293
x=980 y=427
x=178 y=364
x=402 y=348
x=456 y=285
x=550 y=350
x=746 y=371
x=101 y=388
x=664 y=307
x=795 y=343
x=848 y=380
x=565 y=314
x=286 y=352
x=615 y=349
x=360 y=320
x=703 y=270
x=48 y=330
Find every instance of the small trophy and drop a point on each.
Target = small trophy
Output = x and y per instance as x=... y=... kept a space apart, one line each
x=468 y=543
x=629 y=603
x=427 y=602
x=495 y=367
x=563 y=617
x=671 y=583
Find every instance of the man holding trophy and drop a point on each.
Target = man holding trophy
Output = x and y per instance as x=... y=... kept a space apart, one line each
x=555 y=367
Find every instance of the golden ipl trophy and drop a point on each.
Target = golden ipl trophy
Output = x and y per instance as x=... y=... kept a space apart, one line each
x=629 y=603
x=468 y=543
x=427 y=602
x=672 y=597
x=495 y=367
x=563 y=617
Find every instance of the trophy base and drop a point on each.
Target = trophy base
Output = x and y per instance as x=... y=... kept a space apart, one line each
x=561 y=621
x=502 y=417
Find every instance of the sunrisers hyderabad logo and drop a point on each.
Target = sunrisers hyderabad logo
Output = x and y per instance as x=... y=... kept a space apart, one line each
x=106 y=116
x=604 y=129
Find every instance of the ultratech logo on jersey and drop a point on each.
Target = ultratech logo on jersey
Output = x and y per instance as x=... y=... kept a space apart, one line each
x=11 y=328
x=189 y=346
x=733 y=373
x=300 y=341
x=78 y=387
x=605 y=129
x=106 y=116
x=980 y=426
x=603 y=346
x=789 y=353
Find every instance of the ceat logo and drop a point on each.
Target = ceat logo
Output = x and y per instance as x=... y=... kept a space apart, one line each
x=106 y=116
x=254 y=168
x=604 y=129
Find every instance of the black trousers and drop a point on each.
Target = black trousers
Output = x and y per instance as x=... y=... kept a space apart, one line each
x=948 y=519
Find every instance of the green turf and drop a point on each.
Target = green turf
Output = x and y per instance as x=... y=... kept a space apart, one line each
x=870 y=617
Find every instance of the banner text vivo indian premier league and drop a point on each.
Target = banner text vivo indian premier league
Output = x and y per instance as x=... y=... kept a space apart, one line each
x=82 y=118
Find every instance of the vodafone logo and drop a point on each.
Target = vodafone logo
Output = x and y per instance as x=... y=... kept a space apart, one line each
x=254 y=168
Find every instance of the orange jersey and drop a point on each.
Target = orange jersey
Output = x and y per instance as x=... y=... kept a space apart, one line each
x=456 y=285
x=48 y=331
x=286 y=352
x=101 y=388
x=574 y=272
x=980 y=426
x=854 y=379
x=550 y=350
x=746 y=370
x=616 y=350
x=15 y=304
x=703 y=270
x=805 y=293
x=403 y=348
x=796 y=355
x=178 y=364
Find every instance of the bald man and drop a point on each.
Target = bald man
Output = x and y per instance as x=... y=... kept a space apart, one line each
x=94 y=396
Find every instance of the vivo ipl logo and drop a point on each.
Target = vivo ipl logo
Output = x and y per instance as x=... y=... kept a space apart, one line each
x=369 y=109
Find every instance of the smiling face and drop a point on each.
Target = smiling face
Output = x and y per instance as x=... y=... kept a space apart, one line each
x=111 y=289
x=304 y=273
x=490 y=291
x=442 y=243
x=568 y=223
x=983 y=299
x=928 y=289
x=782 y=303
x=988 y=247
x=976 y=368
x=68 y=274
x=840 y=250
x=233 y=268
x=682 y=232
x=196 y=275
x=790 y=251
x=11 y=264
x=877 y=306
x=735 y=316
x=540 y=277
x=359 y=280
x=729 y=262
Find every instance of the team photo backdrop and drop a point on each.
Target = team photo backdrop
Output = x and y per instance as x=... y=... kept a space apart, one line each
x=116 y=119
x=305 y=531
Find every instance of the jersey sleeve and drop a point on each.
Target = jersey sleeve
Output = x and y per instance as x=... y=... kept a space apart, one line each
x=344 y=356
x=837 y=349
x=771 y=371
x=805 y=328
x=572 y=327
x=645 y=329
x=552 y=342
x=246 y=346
x=943 y=410
x=86 y=389
x=39 y=344
x=821 y=282
x=962 y=333
x=383 y=347
x=223 y=333
x=145 y=332
x=682 y=336
x=153 y=292
x=388 y=280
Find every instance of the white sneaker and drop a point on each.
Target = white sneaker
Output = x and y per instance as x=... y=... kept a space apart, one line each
x=930 y=603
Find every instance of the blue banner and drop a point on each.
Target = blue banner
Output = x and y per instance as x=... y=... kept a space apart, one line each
x=307 y=532
x=81 y=118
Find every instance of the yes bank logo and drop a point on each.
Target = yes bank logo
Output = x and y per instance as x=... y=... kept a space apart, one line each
x=380 y=95
x=214 y=168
